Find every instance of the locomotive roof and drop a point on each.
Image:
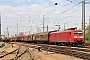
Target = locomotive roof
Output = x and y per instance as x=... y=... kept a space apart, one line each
x=67 y=31
x=74 y=30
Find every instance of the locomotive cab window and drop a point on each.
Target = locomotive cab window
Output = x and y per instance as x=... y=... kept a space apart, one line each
x=77 y=33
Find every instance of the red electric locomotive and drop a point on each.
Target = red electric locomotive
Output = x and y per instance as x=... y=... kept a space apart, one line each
x=71 y=36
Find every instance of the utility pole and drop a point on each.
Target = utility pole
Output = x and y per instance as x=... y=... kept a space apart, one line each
x=0 y=26
x=37 y=30
x=29 y=32
x=89 y=22
x=83 y=13
x=4 y=34
x=43 y=22
x=64 y=26
x=83 y=17
x=47 y=28
x=7 y=33
x=17 y=27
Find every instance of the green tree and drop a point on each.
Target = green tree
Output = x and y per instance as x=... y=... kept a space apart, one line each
x=88 y=33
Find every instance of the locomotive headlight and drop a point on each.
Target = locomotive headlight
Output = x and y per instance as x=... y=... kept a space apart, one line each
x=75 y=36
x=81 y=36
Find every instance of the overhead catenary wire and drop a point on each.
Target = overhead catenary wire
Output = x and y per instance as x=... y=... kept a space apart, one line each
x=17 y=8
x=50 y=13
x=60 y=7
x=67 y=10
x=71 y=15
x=64 y=5
x=57 y=8
x=66 y=17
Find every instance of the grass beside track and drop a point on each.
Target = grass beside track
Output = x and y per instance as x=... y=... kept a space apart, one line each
x=87 y=41
x=2 y=44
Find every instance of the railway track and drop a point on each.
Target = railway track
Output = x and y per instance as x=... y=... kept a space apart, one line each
x=87 y=45
x=5 y=53
x=72 y=51
x=8 y=55
x=18 y=53
x=29 y=52
x=79 y=52
x=24 y=52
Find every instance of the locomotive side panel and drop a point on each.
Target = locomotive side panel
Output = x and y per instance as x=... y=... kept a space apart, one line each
x=59 y=37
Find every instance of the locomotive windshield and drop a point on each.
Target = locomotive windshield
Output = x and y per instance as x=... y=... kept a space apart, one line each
x=77 y=33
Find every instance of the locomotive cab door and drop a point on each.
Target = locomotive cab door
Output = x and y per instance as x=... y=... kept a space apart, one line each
x=70 y=37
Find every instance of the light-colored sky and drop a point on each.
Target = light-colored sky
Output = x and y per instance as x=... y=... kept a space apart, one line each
x=29 y=14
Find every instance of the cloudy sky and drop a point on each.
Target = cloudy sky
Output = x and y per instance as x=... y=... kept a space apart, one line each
x=28 y=15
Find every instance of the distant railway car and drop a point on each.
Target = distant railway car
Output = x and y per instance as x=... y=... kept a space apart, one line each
x=25 y=37
x=10 y=39
x=41 y=37
x=19 y=38
x=28 y=38
x=4 y=39
x=14 y=38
